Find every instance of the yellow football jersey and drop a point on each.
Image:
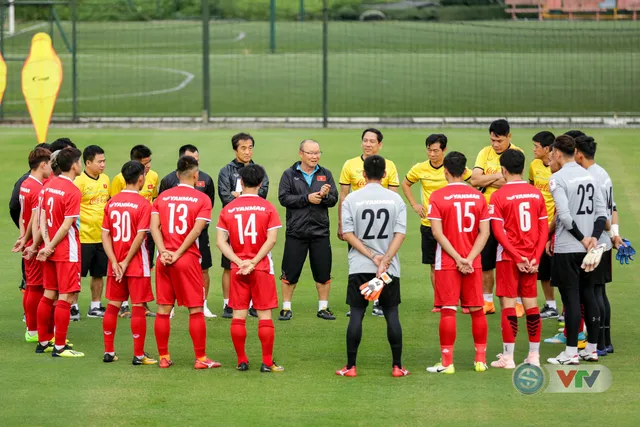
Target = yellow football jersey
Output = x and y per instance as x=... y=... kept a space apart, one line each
x=431 y=179
x=539 y=176
x=95 y=195
x=352 y=174
x=489 y=161
x=149 y=190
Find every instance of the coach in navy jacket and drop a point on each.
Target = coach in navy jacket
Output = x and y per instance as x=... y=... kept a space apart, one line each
x=307 y=190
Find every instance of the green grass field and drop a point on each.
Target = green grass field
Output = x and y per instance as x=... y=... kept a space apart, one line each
x=393 y=69
x=34 y=388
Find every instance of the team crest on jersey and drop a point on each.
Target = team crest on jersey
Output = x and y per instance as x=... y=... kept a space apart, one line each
x=552 y=184
x=104 y=185
x=322 y=178
x=150 y=186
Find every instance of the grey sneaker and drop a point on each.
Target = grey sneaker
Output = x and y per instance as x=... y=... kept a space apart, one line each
x=285 y=315
x=227 y=312
x=548 y=312
x=96 y=312
x=326 y=314
x=377 y=311
x=75 y=314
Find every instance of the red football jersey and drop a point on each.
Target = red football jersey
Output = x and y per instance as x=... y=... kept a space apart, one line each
x=127 y=214
x=519 y=206
x=247 y=220
x=29 y=199
x=179 y=208
x=61 y=201
x=461 y=209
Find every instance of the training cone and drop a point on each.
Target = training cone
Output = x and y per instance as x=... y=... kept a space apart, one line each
x=3 y=77
x=41 y=81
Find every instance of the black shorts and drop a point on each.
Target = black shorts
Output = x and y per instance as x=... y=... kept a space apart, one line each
x=295 y=254
x=489 y=253
x=390 y=296
x=151 y=248
x=94 y=260
x=606 y=265
x=567 y=273
x=429 y=244
x=544 y=267
x=205 y=250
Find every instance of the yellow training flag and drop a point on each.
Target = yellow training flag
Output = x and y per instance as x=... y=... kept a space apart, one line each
x=3 y=77
x=41 y=81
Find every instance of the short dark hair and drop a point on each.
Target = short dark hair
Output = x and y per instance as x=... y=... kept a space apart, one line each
x=185 y=148
x=252 y=175
x=61 y=143
x=575 y=133
x=235 y=140
x=374 y=167
x=131 y=171
x=186 y=164
x=513 y=161
x=43 y=145
x=434 y=138
x=544 y=138
x=455 y=163
x=565 y=144
x=373 y=130
x=587 y=146
x=67 y=157
x=90 y=153
x=500 y=127
x=140 y=152
x=37 y=156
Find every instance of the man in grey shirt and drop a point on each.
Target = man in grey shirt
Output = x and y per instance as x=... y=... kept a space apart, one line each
x=580 y=220
x=374 y=223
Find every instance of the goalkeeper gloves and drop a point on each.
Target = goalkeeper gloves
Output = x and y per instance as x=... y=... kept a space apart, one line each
x=625 y=253
x=373 y=288
x=593 y=257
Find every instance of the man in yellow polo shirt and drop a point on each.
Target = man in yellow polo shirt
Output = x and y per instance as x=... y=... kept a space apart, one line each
x=352 y=179
x=430 y=174
x=539 y=175
x=142 y=154
x=487 y=177
x=94 y=186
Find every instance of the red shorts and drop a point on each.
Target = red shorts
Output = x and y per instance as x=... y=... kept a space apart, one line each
x=33 y=272
x=61 y=276
x=139 y=288
x=259 y=286
x=180 y=281
x=511 y=283
x=453 y=287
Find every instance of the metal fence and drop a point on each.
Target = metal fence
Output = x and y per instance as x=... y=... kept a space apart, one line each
x=198 y=67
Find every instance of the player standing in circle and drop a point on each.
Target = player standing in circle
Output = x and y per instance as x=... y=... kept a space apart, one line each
x=374 y=223
x=124 y=234
x=59 y=212
x=177 y=219
x=519 y=221
x=352 y=179
x=460 y=223
x=247 y=231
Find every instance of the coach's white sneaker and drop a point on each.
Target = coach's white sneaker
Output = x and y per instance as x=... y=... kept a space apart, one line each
x=504 y=361
x=588 y=357
x=208 y=314
x=533 y=359
x=563 y=359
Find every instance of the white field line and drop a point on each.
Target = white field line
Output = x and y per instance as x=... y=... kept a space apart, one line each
x=26 y=30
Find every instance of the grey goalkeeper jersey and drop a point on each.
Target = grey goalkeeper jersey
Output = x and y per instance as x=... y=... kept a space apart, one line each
x=606 y=190
x=577 y=198
x=373 y=214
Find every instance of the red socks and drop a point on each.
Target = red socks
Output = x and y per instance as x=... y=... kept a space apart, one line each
x=138 y=329
x=33 y=296
x=162 y=329
x=267 y=333
x=109 y=323
x=239 y=337
x=534 y=324
x=509 y=325
x=198 y=332
x=480 y=331
x=45 y=311
x=62 y=316
x=447 y=335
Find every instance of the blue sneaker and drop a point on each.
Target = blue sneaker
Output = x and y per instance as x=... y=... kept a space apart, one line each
x=602 y=352
x=558 y=338
x=582 y=336
x=610 y=348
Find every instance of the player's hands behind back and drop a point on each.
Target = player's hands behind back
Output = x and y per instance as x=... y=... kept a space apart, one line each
x=19 y=245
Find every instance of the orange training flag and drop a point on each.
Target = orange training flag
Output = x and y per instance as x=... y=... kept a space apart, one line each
x=41 y=81
x=3 y=77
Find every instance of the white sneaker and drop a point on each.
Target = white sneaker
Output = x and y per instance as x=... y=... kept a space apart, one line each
x=208 y=314
x=588 y=357
x=533 y=359
x=504 y=361
x=172 y=313
x=563 y=359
